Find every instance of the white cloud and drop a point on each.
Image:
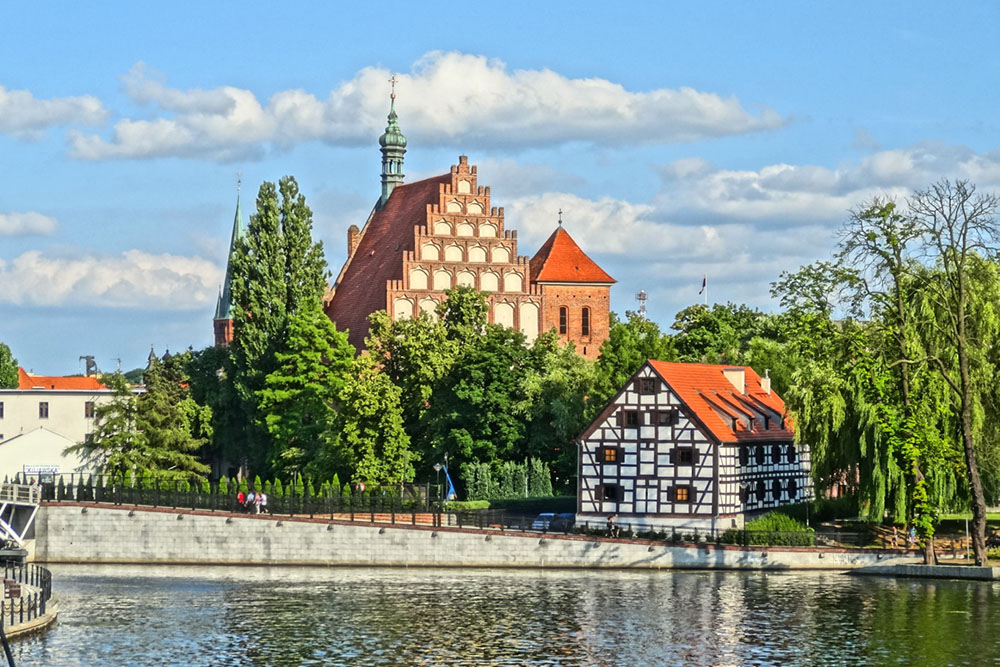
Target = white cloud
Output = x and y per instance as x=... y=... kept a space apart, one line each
x=789 y=195
x=447 y=99
x=133 y=279
x=24 y=115
x=27 y=224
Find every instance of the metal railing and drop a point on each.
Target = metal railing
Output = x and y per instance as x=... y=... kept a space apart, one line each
x=28 y=605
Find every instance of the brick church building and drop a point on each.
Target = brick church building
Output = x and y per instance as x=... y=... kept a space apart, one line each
x=425 y=237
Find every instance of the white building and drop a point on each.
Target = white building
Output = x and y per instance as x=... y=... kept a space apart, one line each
x=60 y=405
x=692 y=445
x=39 y=452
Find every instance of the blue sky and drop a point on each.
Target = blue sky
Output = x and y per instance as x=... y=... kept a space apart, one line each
x=679 y=139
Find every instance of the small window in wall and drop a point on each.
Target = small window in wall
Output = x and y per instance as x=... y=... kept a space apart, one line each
x=88 y=410
x=759 y=455
x=776 y=489
x=667 y=417
x=563 y=319
x=775 y=453
x=1 y=409
x=585 y=322
x=647 y=386
x=612 y=492
x=790 y=451
x=744 y=456
x=761 y=491
x=610 y=455
x=43 y=410
x=88 y=438
x=684 y=456
x=682 y=494
x=793 y=488
x=744 y=493
x=628 y=418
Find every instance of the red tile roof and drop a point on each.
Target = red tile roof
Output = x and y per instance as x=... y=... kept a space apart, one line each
x=560 y=260
x=706 y=392
x=379 y=257
x=29 y=381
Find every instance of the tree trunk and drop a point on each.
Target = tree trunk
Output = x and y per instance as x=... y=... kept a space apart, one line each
x=968 y=444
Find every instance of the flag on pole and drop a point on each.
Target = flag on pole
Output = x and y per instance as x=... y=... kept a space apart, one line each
x=704 y=284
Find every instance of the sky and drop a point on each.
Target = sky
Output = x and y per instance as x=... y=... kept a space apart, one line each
x=680 y=140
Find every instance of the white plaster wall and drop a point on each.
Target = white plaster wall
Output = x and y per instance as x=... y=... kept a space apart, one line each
x=110 y=535
x=66 y=411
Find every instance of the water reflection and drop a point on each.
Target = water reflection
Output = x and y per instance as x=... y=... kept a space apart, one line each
x=290 y=616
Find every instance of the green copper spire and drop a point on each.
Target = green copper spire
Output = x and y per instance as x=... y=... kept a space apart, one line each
x=224 y=307
x=393 y=145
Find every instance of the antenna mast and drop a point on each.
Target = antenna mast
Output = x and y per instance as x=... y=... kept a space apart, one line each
x=641 y=298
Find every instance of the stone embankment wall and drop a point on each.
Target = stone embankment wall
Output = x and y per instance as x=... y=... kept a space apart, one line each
x=73 y=533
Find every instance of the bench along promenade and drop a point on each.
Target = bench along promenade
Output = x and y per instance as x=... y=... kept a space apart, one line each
x=101 y=524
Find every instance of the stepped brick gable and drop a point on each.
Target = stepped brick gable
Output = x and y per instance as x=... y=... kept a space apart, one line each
x=442 y=232
x=694 y=445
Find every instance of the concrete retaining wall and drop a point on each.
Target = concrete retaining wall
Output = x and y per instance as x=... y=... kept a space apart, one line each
x=102 y=534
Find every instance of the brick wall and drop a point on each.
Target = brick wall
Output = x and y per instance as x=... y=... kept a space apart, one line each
x=575 y=298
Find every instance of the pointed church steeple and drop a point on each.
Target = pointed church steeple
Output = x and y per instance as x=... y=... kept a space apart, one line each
x=223 y=321
x=393 y=146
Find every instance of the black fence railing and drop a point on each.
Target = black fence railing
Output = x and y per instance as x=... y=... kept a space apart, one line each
x=27 y=589
x=420 y=505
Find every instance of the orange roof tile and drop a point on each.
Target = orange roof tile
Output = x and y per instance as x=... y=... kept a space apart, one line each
x=26 y=380
x=560 y=260
x=704 y=389
x=379 y=256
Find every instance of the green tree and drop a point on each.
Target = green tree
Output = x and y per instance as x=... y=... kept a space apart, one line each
x=8 y=368
x=115 y=447
x=299 y=397
x=277 y=271
x=558 y=383
x=958 y=226
x=170 y=425
x=372 y=438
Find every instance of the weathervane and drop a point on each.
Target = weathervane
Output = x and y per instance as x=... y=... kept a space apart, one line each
x=393 y=82
x=239 y=181
x=560 y=217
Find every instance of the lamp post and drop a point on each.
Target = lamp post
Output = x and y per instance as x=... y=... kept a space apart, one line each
x=437 y=469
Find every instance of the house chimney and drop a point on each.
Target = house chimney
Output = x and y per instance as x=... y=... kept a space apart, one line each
x=765 y=382
x=353 y=238
x=737 y=377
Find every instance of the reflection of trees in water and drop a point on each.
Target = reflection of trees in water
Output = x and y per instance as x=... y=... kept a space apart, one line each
x=373 y=616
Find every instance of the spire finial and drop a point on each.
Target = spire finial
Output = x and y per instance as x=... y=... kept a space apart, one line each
x=393 y=80
x=560 y=217
x=239 y=181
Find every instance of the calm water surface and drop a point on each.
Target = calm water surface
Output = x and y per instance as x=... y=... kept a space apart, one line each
x=291 y=616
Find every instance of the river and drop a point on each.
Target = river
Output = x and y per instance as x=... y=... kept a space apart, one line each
x=116 y=615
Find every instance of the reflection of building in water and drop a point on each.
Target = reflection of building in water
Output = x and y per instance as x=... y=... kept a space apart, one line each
x=695 y=445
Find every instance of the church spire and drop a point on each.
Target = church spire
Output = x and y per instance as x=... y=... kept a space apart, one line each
x=393 y=145
x=223 y=308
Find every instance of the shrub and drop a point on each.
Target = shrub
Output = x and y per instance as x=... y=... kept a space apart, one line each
x=772 y=529
x=459 y=505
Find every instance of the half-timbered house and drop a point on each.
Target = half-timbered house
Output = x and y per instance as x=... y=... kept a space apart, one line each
x=694 y=445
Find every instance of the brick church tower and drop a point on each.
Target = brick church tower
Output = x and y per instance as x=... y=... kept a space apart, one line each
x=425 y=237
x=222 y=323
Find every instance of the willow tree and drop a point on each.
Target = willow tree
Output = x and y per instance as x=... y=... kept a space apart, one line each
x=958 y=229
x=881 y=279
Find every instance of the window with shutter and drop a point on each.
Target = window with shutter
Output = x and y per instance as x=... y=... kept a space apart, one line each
x=776 y=454
x=685 y=456
x=647 y=386
x=744 y=456
x=682 y=494
x=631 y=418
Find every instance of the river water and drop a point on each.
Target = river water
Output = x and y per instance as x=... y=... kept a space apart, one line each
x=112 y=615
